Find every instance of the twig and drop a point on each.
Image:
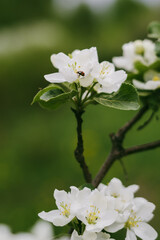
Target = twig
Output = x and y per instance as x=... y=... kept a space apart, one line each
x=118 y=151
x=80 y=149
x=141 y=148
x=147 y=122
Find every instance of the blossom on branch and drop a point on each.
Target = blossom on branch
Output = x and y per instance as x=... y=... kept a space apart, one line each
x=139 y=50
x=151 y=81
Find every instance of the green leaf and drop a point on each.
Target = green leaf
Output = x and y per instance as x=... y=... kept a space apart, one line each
x=154 y=30
x=125 y=99
x=53 y=96
x=140 y=66
x=158 y=48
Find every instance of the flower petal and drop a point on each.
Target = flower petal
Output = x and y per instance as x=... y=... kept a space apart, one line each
x=55 y=217
x=60 y=60
x=130 y=235
x=55 y=78
x=115 y=227
x=145 y=231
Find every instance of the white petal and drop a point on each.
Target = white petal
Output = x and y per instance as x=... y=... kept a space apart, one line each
x=115 y=227
x=55 y=217
x=61 y=196
x=133 y=188
x=139 y=85
x=109 y=217
x=130 y=235
x=124 y=63
x=86 y=81
x=145 y=231
x=55 y=78
x=60 y=60
x=149 y=75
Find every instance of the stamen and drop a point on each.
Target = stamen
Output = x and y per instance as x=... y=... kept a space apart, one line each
x=65 y=209
x=92 y=216
x=133 y=221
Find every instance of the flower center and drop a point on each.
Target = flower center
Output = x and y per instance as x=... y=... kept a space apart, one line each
x=65 y=209
x=132 y=221
x=139 y=49
x=104 y=69
x=92 y=215
x=115 y=195
x=76 y=69
x=156 y=78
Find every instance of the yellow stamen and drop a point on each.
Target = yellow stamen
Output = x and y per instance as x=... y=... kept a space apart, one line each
x=65 y=209
x=156 y=78
x=92 y=216
x=132 y=221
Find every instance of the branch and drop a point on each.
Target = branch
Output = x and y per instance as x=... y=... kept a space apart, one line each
x=118 y=151
x=141 y=148
x=80 y=149
x=123 y=130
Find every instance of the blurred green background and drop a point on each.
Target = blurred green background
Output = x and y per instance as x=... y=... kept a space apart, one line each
x=36 y=146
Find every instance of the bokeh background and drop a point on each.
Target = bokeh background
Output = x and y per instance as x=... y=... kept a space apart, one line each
x=36 y=146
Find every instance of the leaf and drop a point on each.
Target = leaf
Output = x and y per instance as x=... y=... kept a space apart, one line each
x=140 y=66
x=53 y=96
x=125 y=99
x=154 y=30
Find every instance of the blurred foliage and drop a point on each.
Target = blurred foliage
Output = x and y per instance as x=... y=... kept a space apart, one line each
x=36 y=146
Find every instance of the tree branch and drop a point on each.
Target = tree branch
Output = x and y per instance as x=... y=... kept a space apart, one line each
x=118 y=151
x=123 y=130
x=141 y=148
x=80 y=149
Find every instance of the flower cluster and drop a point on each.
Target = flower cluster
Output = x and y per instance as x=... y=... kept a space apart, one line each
x=82 y=67
x=143 y=52
x=109 y=208
x=139 y=50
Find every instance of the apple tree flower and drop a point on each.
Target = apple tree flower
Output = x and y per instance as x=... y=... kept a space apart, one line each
x=151 y=81
x=108 y=80
x=139 y=50
x=136 y=225
x=68 y=205
x=76 y=67
x=96 y=214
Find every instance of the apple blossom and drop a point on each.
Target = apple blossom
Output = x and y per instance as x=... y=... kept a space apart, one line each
x=151 y=81
x=68 y=205
x=139 y=50
x=108 y=79
x=96 y=213
x=76 y=67
x=137 y=224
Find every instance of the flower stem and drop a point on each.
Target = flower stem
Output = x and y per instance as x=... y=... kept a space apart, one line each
x=80 y=149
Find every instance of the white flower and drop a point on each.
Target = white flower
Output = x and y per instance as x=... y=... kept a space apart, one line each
x=152 y=81
x=90 y=236
x=116 y=189
x=121 y=201
x=143 y=51
x=5 y=232
x=109 y=80
x=76 y=67
x=137 y=222
x=68 y=205
x=96 y=214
